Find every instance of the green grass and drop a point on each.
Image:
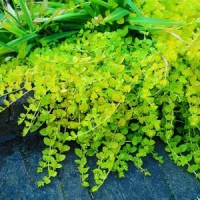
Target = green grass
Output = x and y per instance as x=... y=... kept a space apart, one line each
x=38 y=23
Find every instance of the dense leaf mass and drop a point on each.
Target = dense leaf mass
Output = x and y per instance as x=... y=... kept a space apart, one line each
x=113 y=95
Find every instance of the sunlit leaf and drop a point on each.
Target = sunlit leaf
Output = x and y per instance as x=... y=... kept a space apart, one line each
x=117 y=14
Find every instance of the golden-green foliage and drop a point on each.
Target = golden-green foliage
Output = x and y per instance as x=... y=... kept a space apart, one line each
x=109 y=92
x=113 y=95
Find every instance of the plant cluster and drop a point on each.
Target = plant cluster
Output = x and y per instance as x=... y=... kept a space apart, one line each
x=40 y=22
x=103 y=88
x=111 y=94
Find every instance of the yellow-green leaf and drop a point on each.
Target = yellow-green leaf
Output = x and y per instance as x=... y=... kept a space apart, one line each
x=116 y=15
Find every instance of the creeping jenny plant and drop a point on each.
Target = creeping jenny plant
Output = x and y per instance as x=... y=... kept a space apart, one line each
x=112 y=95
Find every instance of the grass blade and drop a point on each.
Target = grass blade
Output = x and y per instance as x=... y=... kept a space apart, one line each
x=6 y=50
x=57 y=13
x=130 y=3
x=57 y=36
x=44 y=6
x=1 y=15
x=13 y=29
x=5 y=46
x=10 y=14
x=116 y=14
x=27 y=15
x=89 y=10
x=12 y=46
x=5 y=36
x=102 y=3
x=56 y=4
x=20 y=40
x=154 y=21
x=71 y=16
x=141 y=28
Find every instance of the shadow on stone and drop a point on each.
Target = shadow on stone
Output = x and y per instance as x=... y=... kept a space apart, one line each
x=18 y=177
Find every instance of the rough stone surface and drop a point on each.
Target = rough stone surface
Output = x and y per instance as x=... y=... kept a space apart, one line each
x=18 y=177
x=5 y=130
x=182 y=184
x=9 y=128
x=15 y=110
x=69 y=178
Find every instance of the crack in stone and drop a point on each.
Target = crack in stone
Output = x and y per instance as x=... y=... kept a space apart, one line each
x=172 y=196
x=91 y=194
x=122 y=193
x=62 y=190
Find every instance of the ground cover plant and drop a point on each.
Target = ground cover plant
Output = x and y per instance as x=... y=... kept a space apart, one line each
x=114 y=93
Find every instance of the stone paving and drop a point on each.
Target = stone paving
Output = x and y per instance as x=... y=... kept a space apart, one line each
x=19 y=160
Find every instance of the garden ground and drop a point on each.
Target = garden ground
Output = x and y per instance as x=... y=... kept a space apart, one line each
x=18 y=177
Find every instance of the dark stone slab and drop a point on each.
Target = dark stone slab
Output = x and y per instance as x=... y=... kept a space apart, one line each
x=15 y=110
x=114 y=189
x=135 y=185
x=9 y=128
x=14 y=181
x=69 y=178
x=5 y=130
x=30 y=150
x=156 y=183
x=18 y=172
x=183 y=185
x=167 y=182
x=18 y=177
